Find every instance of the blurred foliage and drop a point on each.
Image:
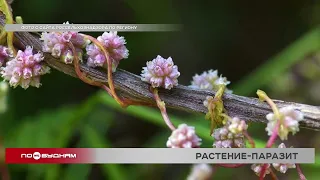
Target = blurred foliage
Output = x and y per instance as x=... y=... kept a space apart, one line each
x=275 y=66
x=238 y=37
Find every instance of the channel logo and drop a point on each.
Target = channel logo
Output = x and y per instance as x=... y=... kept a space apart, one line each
x=38 y=155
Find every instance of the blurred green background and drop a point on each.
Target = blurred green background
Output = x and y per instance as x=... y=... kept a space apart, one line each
x=271 y=45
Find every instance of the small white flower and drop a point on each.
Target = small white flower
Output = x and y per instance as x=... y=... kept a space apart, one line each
x=237 y=125
x=25 y=69
x=209 y=80
x=289 y=122
x=161 y=72
x=258 y=167
x=205 y=80
x=226 y=139
x=114 y=44
x=5 y=55
x=222 y=81
x=184 y=137
x=283 y=167
x=58 y=44
x=200 y=172
x=230 y=135
x=208 y=100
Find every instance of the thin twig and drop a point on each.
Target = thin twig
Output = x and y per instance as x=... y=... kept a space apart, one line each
x=250 y=139
x=301 y=175
x=269 y=144
x=4 y=171
x=130 y=86
x=273 y=175
x=161 y=105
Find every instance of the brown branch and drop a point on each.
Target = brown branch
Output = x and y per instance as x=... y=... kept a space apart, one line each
x=182 y=97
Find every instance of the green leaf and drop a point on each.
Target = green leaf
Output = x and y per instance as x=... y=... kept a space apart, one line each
x=99 y=119
x=38 y=131
x=46 y=125
x=95 y=140
x=77 y=171
x=53 y=129
x=273 y=68
x=67 y=130
x=317 y=162
x=157 y=141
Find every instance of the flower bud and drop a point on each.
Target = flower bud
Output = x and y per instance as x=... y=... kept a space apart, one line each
x=161 y=72
x=184 y=137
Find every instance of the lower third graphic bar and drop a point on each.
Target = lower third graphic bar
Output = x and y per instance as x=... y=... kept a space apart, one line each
x=158 y=155
x=92 y=27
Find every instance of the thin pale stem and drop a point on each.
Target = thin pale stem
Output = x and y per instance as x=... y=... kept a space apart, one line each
x=87 y=80
x=109 y=63
x=76 y=63
x=273 y=175
x=273 y=136
x=263 y=96
x=220 y=91
x=161 y=105
x=84 y=78
x=107 y=89
x=214 y=170
x=263 y=171
x=3 y=33
x=270 y=142
x=250 y=139
x=299 y=170
x=10 y=37
x=5 y=8
x=127 y=101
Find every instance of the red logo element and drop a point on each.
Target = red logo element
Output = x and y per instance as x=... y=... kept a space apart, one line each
x=46 y=155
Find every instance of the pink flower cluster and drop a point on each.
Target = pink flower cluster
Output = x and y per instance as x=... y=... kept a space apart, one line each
x=226 y=139
x=25 y=69
x=230 y=135
x=289 y=122
x=56 y=43
x=161 y=72
x=283 y=167
x=114 y=44
x=209 y=80
x=257 y=168
x=237 y=126
x=184 y=137
x=5 y=54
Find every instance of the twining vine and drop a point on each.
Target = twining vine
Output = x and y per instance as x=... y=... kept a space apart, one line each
x=24 y=68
